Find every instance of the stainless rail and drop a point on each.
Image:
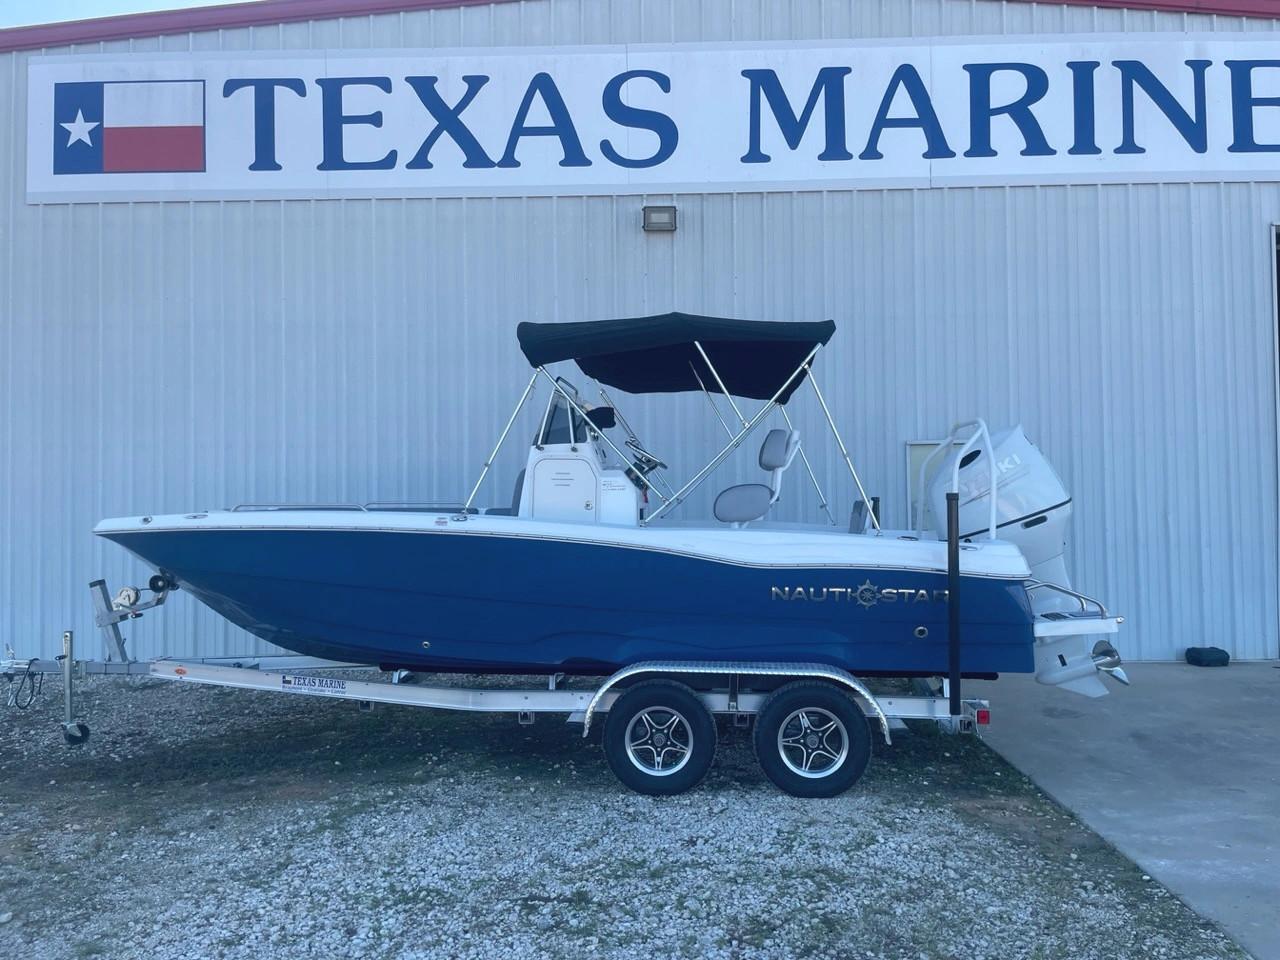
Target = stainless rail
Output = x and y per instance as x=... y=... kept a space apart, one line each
x=283 y=507
x=980 y=432
x=415 y=506
x=1081 y=598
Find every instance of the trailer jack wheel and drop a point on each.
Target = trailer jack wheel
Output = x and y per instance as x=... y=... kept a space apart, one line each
x=75 y=733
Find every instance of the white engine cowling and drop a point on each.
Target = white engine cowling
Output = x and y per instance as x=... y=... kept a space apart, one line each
x=1032 y=511
x=1033 y=508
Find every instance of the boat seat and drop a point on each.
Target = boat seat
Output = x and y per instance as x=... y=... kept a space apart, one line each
x=514 y=509
x=745 y=502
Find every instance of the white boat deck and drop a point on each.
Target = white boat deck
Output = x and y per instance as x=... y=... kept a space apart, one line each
x=756 y=545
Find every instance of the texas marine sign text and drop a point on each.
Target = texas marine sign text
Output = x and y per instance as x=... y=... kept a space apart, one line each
x=612 y=119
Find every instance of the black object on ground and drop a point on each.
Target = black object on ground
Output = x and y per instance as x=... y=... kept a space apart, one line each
x=1207 y=657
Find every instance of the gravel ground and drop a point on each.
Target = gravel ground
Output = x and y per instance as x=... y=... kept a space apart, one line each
x=212 y=823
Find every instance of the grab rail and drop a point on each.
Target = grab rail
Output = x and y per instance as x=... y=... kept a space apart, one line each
x=384 y=506
x=980 y=432
x=256 y=507
x=418 y=506
x=1083 y=600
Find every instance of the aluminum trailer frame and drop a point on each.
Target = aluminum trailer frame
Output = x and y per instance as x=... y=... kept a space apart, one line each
x=298 y=677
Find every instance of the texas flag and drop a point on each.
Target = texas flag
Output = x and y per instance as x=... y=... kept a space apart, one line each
x=136 y=126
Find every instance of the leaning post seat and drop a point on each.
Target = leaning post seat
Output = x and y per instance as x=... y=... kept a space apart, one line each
x=745 y=502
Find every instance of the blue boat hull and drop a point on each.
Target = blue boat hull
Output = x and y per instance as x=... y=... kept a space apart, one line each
x=509 y=604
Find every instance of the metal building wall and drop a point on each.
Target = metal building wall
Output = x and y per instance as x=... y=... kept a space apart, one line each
x=158 y=357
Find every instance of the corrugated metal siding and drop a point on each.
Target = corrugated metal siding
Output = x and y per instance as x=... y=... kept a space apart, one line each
x=162 y=357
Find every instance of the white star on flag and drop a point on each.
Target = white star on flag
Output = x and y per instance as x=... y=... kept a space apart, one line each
x=78 y=129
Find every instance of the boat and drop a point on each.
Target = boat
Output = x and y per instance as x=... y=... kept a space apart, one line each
x=585 y=571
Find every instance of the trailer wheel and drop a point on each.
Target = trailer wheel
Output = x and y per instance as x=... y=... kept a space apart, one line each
x=659 y=739
x=812 y=740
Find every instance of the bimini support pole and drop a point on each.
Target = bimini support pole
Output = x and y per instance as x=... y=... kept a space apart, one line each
x=733 y=444
x=813 y=477
x=804 y=457
x=871 y=510
x=720 y=383
x=715 y=408
x=501 y=440
x=555 y=385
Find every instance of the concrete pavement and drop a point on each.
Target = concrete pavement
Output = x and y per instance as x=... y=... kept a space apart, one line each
x=1180 y=772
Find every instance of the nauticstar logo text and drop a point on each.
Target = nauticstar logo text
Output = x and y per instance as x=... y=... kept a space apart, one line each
x=866 y=595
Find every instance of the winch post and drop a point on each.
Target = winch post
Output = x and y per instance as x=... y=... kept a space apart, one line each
x=953 y=601
x=108 y=619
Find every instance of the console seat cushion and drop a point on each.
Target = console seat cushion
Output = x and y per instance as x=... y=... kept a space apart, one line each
x=743 y=503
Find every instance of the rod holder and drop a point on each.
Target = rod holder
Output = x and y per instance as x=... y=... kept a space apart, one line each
x=953 y=601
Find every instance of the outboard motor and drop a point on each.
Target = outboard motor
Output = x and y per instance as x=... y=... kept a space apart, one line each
x=1033 y=508
x=1032 y=511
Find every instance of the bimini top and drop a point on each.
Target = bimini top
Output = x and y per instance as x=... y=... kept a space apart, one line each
x=660 y=354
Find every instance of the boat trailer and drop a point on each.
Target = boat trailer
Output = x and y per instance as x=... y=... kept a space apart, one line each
x=728 y=689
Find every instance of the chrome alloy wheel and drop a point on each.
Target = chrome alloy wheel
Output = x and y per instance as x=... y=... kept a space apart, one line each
x=659 y=741
x=812 y=742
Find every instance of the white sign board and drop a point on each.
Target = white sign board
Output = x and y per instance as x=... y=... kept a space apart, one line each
x=654 y=119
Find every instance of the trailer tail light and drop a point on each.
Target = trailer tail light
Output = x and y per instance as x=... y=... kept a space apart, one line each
x=982 y=716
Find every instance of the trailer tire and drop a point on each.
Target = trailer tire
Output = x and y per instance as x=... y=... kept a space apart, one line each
x=812 y=740
x=659 y=738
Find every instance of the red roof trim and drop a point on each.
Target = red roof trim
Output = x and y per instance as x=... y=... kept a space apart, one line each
x=1269 y=9
x=267 y=12
x=226 y=17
